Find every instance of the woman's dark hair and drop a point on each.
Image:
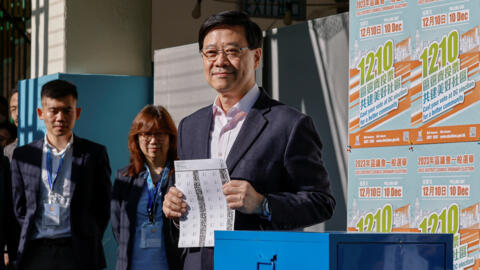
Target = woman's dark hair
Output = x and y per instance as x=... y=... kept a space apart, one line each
x=11 y=129
x=253 y=33
x=4 y=106
x=152 y=118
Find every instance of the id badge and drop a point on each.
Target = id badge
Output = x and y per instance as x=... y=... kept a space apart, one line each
x=51 y=214
x=151 y=235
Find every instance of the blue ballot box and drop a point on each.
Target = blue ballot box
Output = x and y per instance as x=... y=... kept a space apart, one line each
x=245 y=250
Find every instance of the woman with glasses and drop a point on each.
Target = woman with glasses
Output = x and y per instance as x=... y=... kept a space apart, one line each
x=145 y=239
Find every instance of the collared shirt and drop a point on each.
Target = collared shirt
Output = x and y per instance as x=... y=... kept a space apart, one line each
x=8 y=150
x=225 y=127
x=61 y=193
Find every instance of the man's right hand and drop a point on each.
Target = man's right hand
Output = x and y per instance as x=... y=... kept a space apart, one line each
x=173 y=204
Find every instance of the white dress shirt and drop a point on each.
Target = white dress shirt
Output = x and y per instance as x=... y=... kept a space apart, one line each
x=225 y=127
x=61 y=193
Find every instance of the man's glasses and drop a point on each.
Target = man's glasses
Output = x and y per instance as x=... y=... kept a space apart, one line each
x=232 y=53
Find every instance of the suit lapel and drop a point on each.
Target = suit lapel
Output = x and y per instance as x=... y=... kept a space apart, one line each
x=203 y=134
x=134 y=194
x=37 y=156
x=77 y=161
x=251 y=129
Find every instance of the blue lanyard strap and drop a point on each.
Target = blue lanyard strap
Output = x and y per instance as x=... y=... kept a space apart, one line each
x=153 y=191
x=51 y=182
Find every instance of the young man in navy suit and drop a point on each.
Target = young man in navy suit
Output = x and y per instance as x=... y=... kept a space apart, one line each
x=272 y=151
x=61 y=190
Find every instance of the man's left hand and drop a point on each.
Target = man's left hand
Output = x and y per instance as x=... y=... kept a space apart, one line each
x=242 y=196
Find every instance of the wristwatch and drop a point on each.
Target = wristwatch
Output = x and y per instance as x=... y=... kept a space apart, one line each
x=266 y=213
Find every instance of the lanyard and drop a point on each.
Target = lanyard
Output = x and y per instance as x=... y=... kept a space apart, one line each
x=51 y=182
x=153 y=192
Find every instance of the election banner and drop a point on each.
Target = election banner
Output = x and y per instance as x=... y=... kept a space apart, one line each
x=414 y=71
x=420 y=189
x=380 y=73
x=446 y=97
x=379 y=196
x=414 y=137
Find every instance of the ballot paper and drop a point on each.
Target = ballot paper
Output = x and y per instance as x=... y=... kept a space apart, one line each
x=201 y=183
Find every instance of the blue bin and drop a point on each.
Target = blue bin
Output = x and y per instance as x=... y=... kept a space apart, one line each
x=244 y=250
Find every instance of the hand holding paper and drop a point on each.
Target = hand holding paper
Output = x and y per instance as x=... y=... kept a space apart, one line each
x=200 y=183
x=173 y=205
x=242 y=196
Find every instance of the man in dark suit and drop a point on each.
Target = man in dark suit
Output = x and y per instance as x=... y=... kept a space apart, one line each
x=61 y=190
x=272 y=151
x=9 y=229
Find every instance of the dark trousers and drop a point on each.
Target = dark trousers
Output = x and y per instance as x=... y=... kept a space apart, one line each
x=198 y=259
x=48 y=254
